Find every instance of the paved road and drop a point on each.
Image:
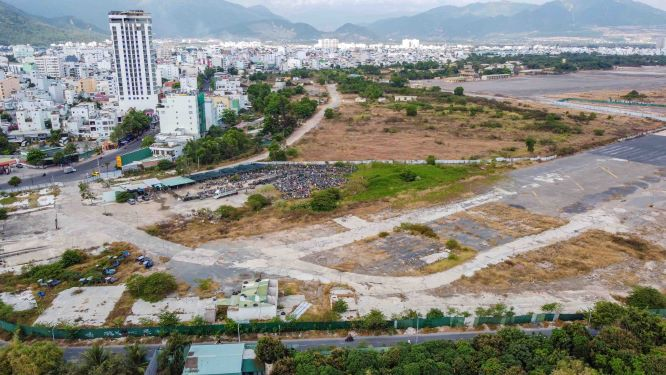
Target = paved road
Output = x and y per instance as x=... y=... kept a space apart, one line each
x=83 y=169
x=74 y=352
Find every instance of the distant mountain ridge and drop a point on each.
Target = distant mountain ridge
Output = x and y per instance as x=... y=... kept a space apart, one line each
x=18 y=27
x=221 y=18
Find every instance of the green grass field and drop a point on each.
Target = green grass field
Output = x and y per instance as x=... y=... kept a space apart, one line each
x=378 y=181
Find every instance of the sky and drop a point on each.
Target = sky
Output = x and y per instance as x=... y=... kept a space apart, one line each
x=329 y=14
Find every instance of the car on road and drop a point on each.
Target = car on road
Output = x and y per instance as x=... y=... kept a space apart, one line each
x=95 y=173
x=69 y=170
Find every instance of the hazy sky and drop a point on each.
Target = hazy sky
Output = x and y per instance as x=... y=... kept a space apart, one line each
x=329 y=14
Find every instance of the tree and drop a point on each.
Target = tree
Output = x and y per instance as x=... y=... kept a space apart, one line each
x=123 y=196
x=94 y=357
x=134 y=123
x=646 y=298
x=135 y=357
x=40 y=358
x=232 y=70
x=398 y=81
x=606 y=313
x=276 y=152
x=270 y=350
x=257 y=94
x=35 y=156
x=15 y=181
x=373 y=320
x=431 y=160
x=70 y=149
x=147 y=141
x=284 y=366
x=71 y=257
x=530 y=142
x=58 y=157
x=84 y=191
x=171 y=360
x=257 y=201
x=459 y=91
x=165 y=165
x=3 y=213
x=228 y=212
x=229 y=117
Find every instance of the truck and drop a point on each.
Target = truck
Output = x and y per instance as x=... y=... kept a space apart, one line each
x=69 y=170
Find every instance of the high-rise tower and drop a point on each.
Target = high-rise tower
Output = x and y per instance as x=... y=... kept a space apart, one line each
x=134 y=59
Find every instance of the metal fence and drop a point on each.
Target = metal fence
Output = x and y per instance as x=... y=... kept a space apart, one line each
x=279 y=327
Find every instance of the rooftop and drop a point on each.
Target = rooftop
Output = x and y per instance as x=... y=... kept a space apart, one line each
x=224 y=359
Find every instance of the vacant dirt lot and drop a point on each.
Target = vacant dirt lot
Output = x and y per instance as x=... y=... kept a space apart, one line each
x=455 y=131
x=569 y=260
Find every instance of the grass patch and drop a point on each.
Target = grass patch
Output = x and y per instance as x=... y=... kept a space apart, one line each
x=417 y=230
x=386 y=180
x=8 y=200
x=455 y=259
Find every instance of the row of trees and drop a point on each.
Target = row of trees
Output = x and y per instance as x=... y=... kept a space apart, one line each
x=217 y=146
x=133 y=124
x=630 y=340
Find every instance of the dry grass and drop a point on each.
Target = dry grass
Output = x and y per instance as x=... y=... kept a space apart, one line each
x=121 y=310
x=315 y=292
x=569 y=259
x=512 y=221
x=376 y=131
x=461 y=257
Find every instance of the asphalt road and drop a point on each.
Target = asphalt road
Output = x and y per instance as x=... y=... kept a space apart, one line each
x=83 y=169
x=74 y=352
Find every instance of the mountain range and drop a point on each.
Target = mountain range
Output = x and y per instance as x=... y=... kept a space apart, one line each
x=46 y=21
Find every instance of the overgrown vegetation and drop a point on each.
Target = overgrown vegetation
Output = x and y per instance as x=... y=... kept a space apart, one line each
x=152 y=288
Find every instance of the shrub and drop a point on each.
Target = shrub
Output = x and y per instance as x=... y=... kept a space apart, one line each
x=431 y=160
x=459 y=91
x=411 y=110
x=165 y=165
x=452 y=244
x=71 y=257
x=599 y=132
x=123 y=196
x=383 y=234
x=646 y=298
x=340 y=306
x=418 y=229
x=228 y=212
x=329 y=114
x=407 y=175
x=291 y=152
x=3 y=213
x=15 y=181
x=168 y=319
x=530 y=142
x=551 y=307
x=434 y=314
x=374 y=320
x=257 y=201
x=325 y=200
x=152 y=288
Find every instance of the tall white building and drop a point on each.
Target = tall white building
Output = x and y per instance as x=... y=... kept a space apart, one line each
x=180 y=116
x=411 y=43
x=328 y=43
x=134 y=59
x=661 y=43
x=50 y=66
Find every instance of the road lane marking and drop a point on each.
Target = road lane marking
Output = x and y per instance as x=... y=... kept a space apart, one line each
x=608 y=171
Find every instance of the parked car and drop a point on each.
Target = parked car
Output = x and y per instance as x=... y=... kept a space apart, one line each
x=148 y=264
x=109 y=271
x=110 y=279
x=53 y=283
x=132 y=201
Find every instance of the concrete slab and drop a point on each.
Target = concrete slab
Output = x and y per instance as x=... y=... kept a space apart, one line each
x=351 y=222
x=82 y=306
x=19 y=301
x=186 y=308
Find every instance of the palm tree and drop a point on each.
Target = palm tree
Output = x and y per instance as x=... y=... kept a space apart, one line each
x=135 y=358
x=94 y=357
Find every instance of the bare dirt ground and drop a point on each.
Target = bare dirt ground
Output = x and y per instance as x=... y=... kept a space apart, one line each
x=577 y=258
x=656 y=96
x=376 y=131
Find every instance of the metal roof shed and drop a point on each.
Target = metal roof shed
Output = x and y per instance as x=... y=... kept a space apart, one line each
x=225 y=359
x=176 y=182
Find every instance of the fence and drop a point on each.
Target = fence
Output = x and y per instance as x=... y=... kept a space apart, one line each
x=279 y=327
x=20 y=189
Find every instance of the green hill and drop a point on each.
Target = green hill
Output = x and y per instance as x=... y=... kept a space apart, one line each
x=18 y=27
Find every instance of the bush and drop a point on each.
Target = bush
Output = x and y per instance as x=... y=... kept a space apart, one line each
x=551 y=307
x=329 y=113
x=452 y=244
x=325 y=200
x=418 y=229
x=606 y=313
x=374 y=320
x=3 y=213
x=168 y=319
x=71 y=257
x=431 y=160
x=228 y=212
x=459 y=91
x=123 y=196
x=291 y=152
x=411 y=110
x=646 y=298
x=599 y=132
x=340 y=306
x=434 y=314
x=165 y=165
x=152 y=288
x=15 y=181
x=407 y=175
x=257 y=201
